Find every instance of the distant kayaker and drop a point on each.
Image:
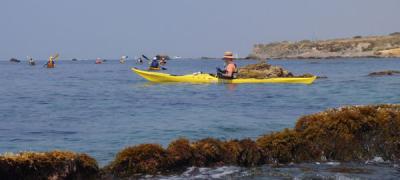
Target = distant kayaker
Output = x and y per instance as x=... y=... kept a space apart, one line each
x=230 y=70
x=31 y=61
x=50 y=63
x=140 y=60
x=123 y=59
x=98 y=61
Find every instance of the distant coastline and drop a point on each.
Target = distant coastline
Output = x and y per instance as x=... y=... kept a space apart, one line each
x=356 y=47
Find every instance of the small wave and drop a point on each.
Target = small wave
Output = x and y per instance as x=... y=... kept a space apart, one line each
x=204 y=173
x=52 y=132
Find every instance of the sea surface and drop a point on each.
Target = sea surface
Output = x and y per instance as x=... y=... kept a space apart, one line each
x=100 y=109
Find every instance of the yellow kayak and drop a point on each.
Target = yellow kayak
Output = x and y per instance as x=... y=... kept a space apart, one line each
x=208 y=78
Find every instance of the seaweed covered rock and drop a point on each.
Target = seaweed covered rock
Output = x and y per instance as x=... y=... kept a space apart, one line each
x=180 y=154
x=48 y=165
x=243 y=153
x=209 y=152
x=283 y=147
x=250 y=154
x=353 y=133
x=140 y=159
x=385 y=73
x=262 y=70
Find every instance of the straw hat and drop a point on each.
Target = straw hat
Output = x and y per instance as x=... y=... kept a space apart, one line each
x=228 y=55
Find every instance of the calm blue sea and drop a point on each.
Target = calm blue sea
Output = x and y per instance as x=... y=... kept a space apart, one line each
x=100 y=109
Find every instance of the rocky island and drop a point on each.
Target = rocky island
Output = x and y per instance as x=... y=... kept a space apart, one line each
x=355 y=47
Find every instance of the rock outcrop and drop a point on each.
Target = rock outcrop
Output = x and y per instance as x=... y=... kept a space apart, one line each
x=351 y=133
x=263 y=70
x=15 y=60
x=371 y=46
x=385 y=73
x=48 y=165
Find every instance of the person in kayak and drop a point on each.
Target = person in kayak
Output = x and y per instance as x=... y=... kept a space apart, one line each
x=230 y=70
x=50 y=63
x=154 y=63
x=140 y=60
x=31 y=61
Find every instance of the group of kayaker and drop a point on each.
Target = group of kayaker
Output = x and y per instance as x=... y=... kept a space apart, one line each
x=49 y=64
x=157 y=63
x=229 y=72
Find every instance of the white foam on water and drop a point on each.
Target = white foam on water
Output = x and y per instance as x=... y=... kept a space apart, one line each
x=376 y=159
x=333 y=163
x=205 y=173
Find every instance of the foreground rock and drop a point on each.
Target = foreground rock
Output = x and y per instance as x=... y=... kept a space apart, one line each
x=354 y=133
x=48 y=165
x=351 y=133
x=181 y=154
x=384 y=73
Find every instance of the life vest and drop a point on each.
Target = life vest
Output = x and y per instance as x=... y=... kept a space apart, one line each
x=154 y=64
x=235 y=73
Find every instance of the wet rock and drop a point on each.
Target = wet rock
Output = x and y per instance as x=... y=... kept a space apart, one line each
x=180 y=154
x=140 y=159
x=209 y=152
x=385 y=73
x=353 y=133
x=281 y=147
x=250 y=154
x=233 y=152
x=243 y=153
x=263 y=70
x=48 y=165
x=15 y=60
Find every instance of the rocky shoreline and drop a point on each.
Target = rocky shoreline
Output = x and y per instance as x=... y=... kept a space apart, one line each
x=350 y=133
x=356 y=47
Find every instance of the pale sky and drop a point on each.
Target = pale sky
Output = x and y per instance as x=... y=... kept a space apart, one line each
x=189 y=28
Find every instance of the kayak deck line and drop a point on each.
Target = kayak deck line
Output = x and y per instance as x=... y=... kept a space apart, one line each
x=208 y=78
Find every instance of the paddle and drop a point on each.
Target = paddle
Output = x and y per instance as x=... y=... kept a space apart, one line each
x=145 y=57
x=56 y=56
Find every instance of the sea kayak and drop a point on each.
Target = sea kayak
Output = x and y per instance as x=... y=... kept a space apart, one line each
x=209 y=78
